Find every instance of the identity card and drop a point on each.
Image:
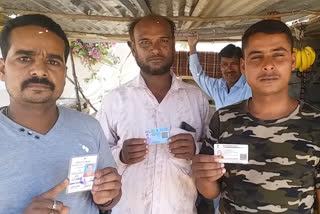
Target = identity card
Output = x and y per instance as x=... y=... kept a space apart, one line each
x=157 y=135
x=81 y=173
x=232 y=153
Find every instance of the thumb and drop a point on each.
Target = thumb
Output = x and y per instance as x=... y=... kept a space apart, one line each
x=52 y=193
x=65 y=210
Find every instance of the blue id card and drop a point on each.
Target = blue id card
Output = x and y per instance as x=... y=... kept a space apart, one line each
x=158 y=135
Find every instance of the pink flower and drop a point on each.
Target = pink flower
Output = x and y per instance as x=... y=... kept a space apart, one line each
x=75 y=49
x=90 y=53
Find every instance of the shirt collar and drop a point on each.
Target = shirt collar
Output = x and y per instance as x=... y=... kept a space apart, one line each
x=139 y=82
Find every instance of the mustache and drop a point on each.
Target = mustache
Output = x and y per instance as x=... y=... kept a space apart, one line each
x=229 y=72
x=155 y=57
x=268 y=75
x=37 y=80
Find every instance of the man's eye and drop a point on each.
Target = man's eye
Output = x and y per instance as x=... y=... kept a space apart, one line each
x=53 y=62
x=145 y=42
x=24 y=59
x=278 y=55
x=164 y=40
x=256 y=57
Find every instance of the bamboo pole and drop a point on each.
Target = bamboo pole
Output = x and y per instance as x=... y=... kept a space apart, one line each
x=175 y=18
x=82 y=94
x=76 y=86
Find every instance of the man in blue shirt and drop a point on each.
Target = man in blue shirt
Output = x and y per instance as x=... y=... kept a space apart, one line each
x=232 y=87
x=39 y=138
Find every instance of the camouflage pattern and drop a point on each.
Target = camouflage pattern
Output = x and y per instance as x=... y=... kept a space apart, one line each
x=283 y=171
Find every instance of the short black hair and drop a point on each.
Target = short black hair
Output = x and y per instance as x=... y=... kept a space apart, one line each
x=231 y=51
x=267 y=27
x=152 y=16
x=31 y=19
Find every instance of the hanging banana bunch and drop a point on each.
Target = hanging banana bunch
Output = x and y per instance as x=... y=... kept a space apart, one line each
x=305 y=57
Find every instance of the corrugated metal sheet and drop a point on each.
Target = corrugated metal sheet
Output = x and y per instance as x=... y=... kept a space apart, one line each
x=223 y=29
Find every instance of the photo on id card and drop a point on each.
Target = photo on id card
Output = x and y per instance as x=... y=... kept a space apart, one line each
x=81 y=173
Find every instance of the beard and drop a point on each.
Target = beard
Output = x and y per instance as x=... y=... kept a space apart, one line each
x=155 y=70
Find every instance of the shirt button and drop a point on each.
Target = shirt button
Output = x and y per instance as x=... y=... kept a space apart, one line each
x=37 y=137
x=29 y=132
x=21 y=129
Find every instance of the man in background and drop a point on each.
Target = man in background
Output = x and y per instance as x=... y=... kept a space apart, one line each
x=229 y=89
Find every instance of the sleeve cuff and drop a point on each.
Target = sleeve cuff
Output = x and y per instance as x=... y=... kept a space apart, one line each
x=116 y=155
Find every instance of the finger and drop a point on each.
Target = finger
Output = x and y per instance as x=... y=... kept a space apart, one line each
x=209 y=173
x=65 y=210
x=46 y=210
x=49 y=204
x=182 y=150
x=180 y=137
x=206 y=166
x=40 y=203
x=210 y=179
x=102 y=172
x=181 y=143
x=107 y=178
x=206 y=159
x=186 y=156
x=104 y=196
x=136 y=160
x=113 y=185
x=137 y=155
x=54 y=192
x=214 y=178
x=137 y=148
x=135 y=141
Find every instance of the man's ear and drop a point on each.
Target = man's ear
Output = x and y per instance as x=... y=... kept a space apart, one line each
x=242 y=66
x=133 y=48
x=2 y=72
x=293 y=66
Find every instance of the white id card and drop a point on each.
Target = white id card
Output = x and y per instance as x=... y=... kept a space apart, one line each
x=81 y=173
x=232 y=153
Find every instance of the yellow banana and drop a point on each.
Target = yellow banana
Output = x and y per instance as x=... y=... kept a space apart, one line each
x=298 y=58
x=304 y=61
x=309 y=57
x=313 y=54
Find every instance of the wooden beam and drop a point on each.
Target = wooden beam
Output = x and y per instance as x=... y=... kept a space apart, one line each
x=144 y=6
x=124 y=38
x=129 y=6
x=176 y=18
x=94 y=36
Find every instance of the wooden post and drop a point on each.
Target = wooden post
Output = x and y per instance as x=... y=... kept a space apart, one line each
x=76 y=85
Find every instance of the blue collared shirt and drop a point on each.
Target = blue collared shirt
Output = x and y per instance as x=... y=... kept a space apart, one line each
x=217 y=88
